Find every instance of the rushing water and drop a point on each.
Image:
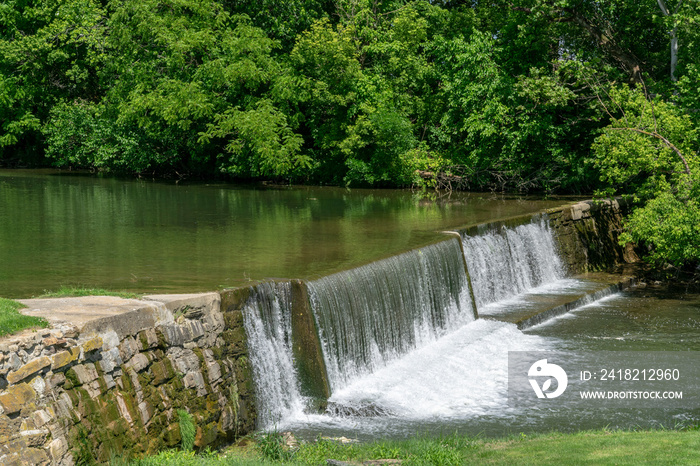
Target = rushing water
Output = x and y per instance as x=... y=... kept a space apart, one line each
x=374 y=314
x=459 y=383
x=63 y=229
x=511 y=261
x=388 y=381
x=268 y=325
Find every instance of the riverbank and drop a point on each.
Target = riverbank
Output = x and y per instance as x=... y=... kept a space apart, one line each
x=12 y=321
x=588 y=447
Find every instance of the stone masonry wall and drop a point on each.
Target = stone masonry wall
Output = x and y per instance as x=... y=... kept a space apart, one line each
x=588 y=234
x=68 y=397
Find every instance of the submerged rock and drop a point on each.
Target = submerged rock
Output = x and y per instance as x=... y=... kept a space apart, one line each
x=343 y=440
x=365 y=410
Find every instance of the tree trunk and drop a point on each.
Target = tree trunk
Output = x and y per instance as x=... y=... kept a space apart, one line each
x=674 y=36
x=606 y=42
x=674 y=53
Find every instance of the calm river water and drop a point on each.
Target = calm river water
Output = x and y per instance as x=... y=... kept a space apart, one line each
x=66 y=229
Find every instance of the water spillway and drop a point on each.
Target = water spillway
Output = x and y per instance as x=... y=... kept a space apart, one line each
x=505 y=262
x=267 y=318
x=398 y=336
x=373 y=314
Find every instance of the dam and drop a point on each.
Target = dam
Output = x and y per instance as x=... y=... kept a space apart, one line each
x=421 y=339
x=416 y=341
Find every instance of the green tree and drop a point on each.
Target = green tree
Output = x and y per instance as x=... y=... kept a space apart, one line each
x=505 y=131
x=498 y=94
x=49 y=52
x=189 y=91
x=282 y=20
x=649 y=150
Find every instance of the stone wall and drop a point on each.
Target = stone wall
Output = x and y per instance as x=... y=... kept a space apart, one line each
x=69 y=396
x=588 y=234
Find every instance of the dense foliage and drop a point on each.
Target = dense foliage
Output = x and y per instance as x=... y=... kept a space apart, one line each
x=544 y=95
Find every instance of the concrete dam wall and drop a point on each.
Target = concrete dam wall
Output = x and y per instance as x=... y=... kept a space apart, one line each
x=113 y=376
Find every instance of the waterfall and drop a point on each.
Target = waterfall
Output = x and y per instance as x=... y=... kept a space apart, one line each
x=395 y=341
x=510 y=261
x=373 y=314
x=268 y=326
x=370 y=318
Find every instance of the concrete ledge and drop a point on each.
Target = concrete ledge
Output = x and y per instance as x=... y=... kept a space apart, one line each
x=95 y=313
x=562 y=309
x=99 y=314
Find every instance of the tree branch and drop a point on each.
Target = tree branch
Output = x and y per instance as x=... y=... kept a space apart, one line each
x=664 y=140
x=603 y=38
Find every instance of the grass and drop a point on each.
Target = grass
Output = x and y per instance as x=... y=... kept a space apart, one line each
x=12 y=321
x=187 y=429
x=596 y=447
x=74 y=291
x=599 y=447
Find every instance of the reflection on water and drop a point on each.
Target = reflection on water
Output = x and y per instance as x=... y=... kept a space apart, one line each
x=166 y=237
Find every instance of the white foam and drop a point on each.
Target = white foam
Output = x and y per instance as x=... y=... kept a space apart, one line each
x=461 y=375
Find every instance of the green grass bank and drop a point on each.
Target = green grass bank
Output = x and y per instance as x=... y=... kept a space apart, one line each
x=77 y=291
x=589 y=447
x=12 y=321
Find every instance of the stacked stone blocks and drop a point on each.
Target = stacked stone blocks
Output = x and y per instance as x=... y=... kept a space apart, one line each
x=66 y=397
x=588 y=234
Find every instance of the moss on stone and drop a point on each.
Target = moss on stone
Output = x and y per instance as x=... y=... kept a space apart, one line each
x=171 y=435
x=234 y=299
x=130 y=404
x=119 y=427
x=233 y=403
x=143 y=339
x=158 y=422
x=244 y=376
x=102 y=384
x=162 y=341
x=87 y=407
x=109 y=412
x=108 y=447
x=206 y=435
x=199 y=353
x=82 y=448
x=233 y=319
x=217 y=352
x=92 y=344
x=16 y=398
x=235 y=340
x=161 y=371
x=112 y=426
x=145 y=379
x=127 y=383
x=72 y=379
